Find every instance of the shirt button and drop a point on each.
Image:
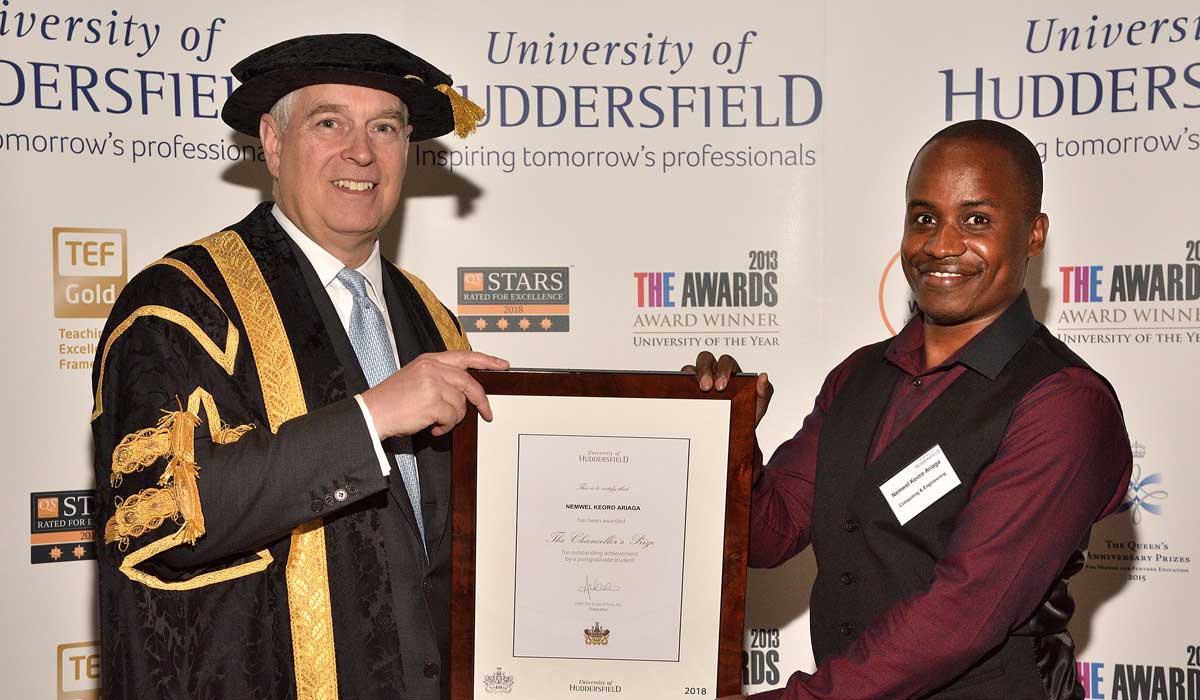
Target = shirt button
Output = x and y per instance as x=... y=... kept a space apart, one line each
x=846 y=629
x=916 y=381
x=431 y=670
x=427 y=585
x=317 y=506
x=848 y=578
x=850 y=525
x=340 y=495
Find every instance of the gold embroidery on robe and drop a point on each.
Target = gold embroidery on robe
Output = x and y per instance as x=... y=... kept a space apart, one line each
x=223 y=357
x=177 y=499
x=454 y=338
x=142 y=512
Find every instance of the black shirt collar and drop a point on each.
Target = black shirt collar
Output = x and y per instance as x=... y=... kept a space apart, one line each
x=988 y=352
x=997 y=344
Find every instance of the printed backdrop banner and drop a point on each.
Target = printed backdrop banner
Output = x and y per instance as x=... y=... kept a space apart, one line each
x=652 y=180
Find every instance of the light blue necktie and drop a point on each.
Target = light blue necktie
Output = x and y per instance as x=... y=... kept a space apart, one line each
x=369 y=336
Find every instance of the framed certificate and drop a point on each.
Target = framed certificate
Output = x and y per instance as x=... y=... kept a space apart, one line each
x=599 y=537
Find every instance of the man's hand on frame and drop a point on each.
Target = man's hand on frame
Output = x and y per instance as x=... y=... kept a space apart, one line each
x=712 y=373
x=432 y=390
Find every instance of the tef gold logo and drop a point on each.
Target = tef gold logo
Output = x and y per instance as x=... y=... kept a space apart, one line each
x=47 y=507
x=79 y=671
x=89 y=271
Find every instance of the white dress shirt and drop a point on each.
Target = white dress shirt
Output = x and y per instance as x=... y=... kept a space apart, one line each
x=327 y=267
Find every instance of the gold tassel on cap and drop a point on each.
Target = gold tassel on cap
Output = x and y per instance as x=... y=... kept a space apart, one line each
x=466 y=112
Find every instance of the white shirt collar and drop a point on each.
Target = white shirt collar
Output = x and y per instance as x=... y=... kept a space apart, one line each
x=325 y=263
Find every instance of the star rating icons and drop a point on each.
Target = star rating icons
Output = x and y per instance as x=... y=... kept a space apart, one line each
x=524 y=324
x=55 y=553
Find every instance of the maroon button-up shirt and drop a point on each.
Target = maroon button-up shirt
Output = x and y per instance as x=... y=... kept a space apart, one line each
x=1064 y=463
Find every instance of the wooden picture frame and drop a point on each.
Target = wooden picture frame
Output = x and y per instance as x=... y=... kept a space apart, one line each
x=740 y=395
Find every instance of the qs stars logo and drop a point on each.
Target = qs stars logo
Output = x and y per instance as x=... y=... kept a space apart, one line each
x=62 y=526
x=514 y=299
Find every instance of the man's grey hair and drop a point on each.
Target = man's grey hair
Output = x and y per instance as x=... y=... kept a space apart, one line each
x=281 y=111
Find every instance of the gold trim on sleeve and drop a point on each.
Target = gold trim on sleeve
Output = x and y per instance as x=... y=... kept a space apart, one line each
x=174 y=439
x=138 y=450
x=142 y=512
x=177 y=499
x=128 y=567
x=224 y=358
x=452 y=336
x=309 y=603
x=190 y=274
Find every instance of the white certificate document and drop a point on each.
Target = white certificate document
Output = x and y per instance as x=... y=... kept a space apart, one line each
x=599 y=547
x=600 y=534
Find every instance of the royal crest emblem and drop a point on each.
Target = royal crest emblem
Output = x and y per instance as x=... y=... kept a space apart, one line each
x=498 y=682
x=596 y=635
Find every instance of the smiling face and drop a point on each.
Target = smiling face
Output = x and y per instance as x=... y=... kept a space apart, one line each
x=339 y=162
x=968 y=231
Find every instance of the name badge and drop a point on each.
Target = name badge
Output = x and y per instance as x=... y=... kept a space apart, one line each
x=920 y=484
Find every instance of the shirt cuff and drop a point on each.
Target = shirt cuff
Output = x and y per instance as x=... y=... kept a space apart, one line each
x=385 y=465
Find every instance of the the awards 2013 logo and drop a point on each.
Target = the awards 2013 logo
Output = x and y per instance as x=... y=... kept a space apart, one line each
x=1117 y=681
x=704 y=309
x=1129 y=301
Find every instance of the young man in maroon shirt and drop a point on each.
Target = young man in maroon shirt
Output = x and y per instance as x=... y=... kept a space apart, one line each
x=948 y=478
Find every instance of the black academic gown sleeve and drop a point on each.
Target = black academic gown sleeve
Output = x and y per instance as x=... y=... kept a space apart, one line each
x=251 y=491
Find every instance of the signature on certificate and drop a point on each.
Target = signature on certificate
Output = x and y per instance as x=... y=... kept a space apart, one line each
x=590 y=585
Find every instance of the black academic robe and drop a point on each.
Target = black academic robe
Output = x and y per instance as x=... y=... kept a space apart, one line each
x=250 y=546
